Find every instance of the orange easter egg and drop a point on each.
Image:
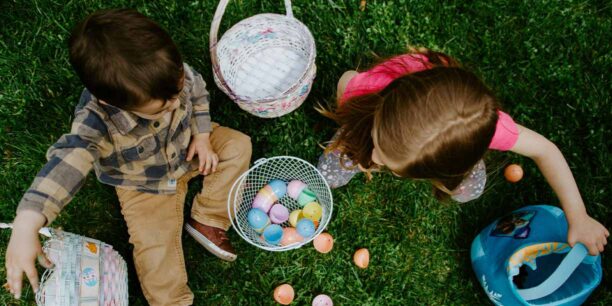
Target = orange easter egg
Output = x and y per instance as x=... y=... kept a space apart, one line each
x=513 y=173
x=324 y=243
x=284 y=294
x=362 y=258
x=290 y=236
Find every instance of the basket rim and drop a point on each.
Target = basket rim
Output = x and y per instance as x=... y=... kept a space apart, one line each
x=311 y=61
x=231 y=208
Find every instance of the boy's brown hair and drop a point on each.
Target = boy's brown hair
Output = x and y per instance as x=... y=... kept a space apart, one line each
x=125 y=59
x=434 y=124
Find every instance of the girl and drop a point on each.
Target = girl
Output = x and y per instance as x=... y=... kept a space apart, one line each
x=422 y=116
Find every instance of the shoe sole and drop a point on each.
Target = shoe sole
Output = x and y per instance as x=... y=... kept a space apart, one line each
x=209 y=245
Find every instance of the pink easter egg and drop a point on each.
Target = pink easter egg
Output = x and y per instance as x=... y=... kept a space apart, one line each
x=279 y=214
x=264 y=199
x=322 y=300
x=290 y=236
x=294 y=188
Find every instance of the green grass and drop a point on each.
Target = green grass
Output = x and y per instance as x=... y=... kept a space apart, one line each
x=549 y=62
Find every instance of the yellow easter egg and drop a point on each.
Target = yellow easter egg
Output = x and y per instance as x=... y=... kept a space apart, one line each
x=313 y=211
x=295 y=216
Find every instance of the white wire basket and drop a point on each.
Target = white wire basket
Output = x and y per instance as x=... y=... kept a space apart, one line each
x=265 y=63
x=85 y=272
x=286 y=168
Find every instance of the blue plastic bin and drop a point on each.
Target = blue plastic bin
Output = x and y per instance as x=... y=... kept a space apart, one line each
x=524 y=259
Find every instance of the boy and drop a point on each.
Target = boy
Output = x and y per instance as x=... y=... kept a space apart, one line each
x=141 y=120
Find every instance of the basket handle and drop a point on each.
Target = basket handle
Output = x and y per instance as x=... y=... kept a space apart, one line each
x=214 y=32
x=572 y=260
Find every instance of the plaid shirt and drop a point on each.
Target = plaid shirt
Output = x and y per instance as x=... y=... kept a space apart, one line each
x=125 y=150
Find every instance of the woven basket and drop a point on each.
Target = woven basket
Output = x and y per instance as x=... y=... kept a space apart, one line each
x=285 y=168
x=85 y=272
x=265 y=63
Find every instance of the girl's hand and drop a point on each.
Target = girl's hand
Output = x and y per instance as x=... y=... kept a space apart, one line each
x=200 y=145
x=23 y=250
x=589 y=232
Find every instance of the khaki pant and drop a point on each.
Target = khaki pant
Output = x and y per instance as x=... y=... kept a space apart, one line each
x=155 y=222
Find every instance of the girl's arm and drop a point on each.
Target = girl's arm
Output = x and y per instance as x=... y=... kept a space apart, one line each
x=552 y=164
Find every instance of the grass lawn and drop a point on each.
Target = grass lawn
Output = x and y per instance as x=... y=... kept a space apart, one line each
x=549 y=62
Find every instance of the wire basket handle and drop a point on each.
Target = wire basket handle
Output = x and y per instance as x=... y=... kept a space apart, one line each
x=214 y=32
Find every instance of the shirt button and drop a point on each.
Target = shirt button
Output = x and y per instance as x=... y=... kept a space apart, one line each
x=156 y=124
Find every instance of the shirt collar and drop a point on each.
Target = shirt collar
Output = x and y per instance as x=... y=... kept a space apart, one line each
x=124 y=121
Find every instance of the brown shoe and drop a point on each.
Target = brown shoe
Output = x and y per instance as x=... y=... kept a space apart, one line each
x=213 y=239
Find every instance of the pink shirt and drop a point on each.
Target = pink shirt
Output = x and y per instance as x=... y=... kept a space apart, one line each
x=377 y=78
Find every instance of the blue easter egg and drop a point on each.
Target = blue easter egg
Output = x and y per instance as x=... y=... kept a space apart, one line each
x=305 y=227
x=258 y=219
x=279 y=188
x=273 y=234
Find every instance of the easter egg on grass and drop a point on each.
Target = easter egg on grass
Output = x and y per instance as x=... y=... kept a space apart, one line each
x=306 y=196
x=258 y=220
x=312 y=211
x=295 y=216
x=279 y=214
x=290 y=236
x=305 y=227
x=361 y=258
x=323 y=243
x=273 y=234
x=284 y=294
x=513 y=173
x=294 y=189
x=322 y=300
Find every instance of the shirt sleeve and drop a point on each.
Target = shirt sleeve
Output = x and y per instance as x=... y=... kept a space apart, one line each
x=506 y=133
x=200 y=118
x=69 y=161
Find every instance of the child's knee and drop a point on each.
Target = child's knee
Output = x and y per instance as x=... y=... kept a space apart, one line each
x=343 y=82
x=238 y=146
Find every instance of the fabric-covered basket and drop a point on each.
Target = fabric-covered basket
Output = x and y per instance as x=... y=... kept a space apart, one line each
x=265 y=63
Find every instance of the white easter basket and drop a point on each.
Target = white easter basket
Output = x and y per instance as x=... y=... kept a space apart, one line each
x=265 y=63
x=285 y=168
x=85 y=272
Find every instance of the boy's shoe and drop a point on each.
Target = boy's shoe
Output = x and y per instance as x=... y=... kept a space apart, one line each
x=213 y=239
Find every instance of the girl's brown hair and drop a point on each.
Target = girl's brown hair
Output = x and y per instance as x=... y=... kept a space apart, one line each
x=433 y=124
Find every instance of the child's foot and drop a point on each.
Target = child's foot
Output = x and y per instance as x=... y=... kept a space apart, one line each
x=213 y=239
x=334 y=173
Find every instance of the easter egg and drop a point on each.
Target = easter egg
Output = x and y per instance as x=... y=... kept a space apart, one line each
x=258 y=219
x=295 y=216
x=306 y=196
x=305 y=227
x=264 y=199
x=284 y=294
x=323 y=243
x=290 y=236
x=361 y=258
x=513 y=173
x=279 y=214
x=273 y=234
x=322 y=300
x=294 y=188
x=312 y=211
x=278 y=187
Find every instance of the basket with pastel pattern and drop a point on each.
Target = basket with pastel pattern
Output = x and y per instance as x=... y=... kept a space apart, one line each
x=265 y=63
